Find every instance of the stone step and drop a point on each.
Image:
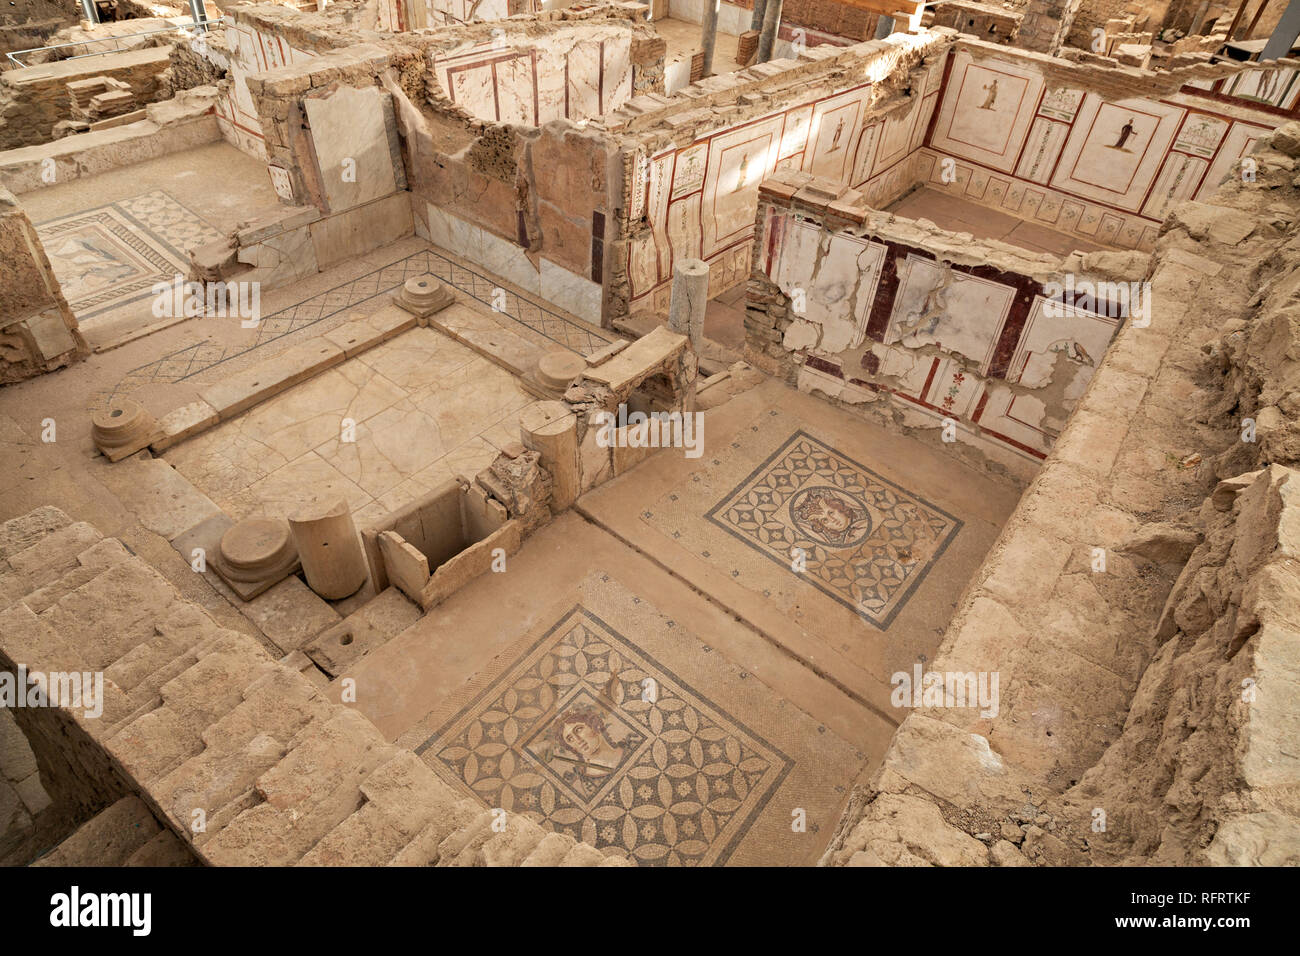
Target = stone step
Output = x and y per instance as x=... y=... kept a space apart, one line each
x=60 y=574
x=162 y=739
x=308 y=793
x=423 y=848
x=19 y=534
x=113 y=612
x=550 y=851
x=512 y=845
x=402 y=797
x=583 y=854
x=165 y=849
x=107 y=839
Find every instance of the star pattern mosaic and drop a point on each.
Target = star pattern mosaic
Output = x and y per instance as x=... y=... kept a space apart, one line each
x=595 y=738
x=855 y=536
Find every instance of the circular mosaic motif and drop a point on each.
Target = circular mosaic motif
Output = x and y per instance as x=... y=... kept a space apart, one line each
x=830 y=516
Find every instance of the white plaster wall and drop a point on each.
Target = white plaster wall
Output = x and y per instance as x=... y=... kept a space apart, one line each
x=732 y=20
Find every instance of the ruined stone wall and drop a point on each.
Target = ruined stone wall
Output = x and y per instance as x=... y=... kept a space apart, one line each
x=992 y=24
x=34 y=99
x=1139 y=605
x=38 y=332
x=243 y=758
x=692 y=162
x=30 y=33
x=917 y=328
x=181 y=122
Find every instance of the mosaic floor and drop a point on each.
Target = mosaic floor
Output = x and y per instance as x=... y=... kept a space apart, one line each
x=417 y=423
x=585 y=726
x=861 y=539
x=111 y=256
x=807 y=514
x=196 y=359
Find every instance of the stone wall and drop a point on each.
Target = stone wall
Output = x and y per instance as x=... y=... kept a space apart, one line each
x=182 y=122
x=829 y=16
x=38 y=332
x=992 y=24
x=35 y=98
x=918 y=328
x=1139 y=604
x=241 y=757
x=1045 y=24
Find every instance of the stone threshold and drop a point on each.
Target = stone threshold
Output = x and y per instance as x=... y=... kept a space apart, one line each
x=270 y=377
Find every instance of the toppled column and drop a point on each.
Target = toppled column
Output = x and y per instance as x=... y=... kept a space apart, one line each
x=329 y=547
x=690 y=297
x=551 y=430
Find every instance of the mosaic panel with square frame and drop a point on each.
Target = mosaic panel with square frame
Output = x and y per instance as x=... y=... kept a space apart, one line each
x=115 y=254
x=604 y=743
x=865 y=541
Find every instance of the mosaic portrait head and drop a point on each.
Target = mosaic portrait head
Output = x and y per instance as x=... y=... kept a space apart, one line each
x=830 y=516
x=582 y=731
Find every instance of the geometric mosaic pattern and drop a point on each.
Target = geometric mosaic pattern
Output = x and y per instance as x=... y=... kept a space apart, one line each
x=866 y=542
x=201 y=356
x=112 y=255
x=600 y=741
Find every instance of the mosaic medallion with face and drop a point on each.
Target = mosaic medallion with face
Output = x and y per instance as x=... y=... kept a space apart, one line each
x=830 y=516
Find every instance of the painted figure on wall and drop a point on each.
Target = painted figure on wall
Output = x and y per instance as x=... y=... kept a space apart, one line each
x=1073 y=350
x=992 y=98
x=835 y=140
x=743 y=173
x=1125 y=133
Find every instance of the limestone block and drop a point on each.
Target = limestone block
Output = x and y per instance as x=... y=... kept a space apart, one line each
x=243 y=390
x=595 y=462
x=354 y=136
x=289 y=614
x=407 y=568
x=361 y=230
x=452 y=575
x=182 y=423
x=163 y=500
